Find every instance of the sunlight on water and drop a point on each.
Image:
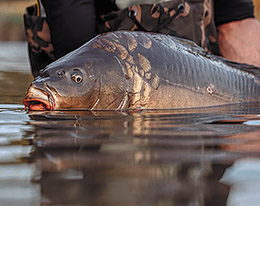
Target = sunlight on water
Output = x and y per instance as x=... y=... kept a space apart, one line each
x=253 y=122
x=244 y=178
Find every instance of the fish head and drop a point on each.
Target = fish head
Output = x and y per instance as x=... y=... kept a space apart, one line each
x=86 y=78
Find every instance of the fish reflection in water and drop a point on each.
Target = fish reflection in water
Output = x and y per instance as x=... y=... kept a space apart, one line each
x=138 y=158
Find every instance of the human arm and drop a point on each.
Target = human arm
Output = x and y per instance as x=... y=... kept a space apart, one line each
x=240 y=41
x=238 y=30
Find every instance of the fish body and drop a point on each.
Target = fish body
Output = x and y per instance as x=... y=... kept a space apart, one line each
x=132 y=70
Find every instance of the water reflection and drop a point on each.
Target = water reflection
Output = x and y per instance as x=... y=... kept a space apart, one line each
x=142 y=158
x=244 y=178
x=14 y=72
x=174 y=157
x=135 y=158
x=16 y=187
x=13 y=57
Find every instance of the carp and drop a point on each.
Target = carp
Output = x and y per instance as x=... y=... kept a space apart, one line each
x=139 y=70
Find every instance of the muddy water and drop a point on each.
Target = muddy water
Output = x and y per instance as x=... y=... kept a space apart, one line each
x=178 y=157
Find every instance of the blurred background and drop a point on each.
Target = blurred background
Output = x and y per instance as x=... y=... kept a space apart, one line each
x=11 y=18
x=257 y=8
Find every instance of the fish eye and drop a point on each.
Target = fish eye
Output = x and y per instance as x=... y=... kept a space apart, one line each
x=77 y=77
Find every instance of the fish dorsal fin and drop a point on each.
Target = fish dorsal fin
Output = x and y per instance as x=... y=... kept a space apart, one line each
x=251 y=69
x=192 y=47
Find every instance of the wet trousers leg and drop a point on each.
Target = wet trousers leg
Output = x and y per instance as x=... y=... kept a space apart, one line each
x=71 y=22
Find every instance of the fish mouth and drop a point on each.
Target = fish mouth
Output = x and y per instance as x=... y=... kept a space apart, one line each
x=38 y=100
x=37 y=104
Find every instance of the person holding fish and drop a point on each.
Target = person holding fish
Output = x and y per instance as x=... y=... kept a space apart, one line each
x=139 y=63
x=230 y=29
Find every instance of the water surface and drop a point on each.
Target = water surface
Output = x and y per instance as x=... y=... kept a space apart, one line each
x=169 y=157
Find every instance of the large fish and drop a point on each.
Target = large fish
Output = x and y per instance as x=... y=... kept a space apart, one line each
x=132 y=70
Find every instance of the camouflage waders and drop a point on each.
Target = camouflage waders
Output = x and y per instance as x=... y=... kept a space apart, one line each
x=41 y=50
x=190 y=19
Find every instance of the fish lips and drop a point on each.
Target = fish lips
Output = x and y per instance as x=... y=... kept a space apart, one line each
x=38 y=100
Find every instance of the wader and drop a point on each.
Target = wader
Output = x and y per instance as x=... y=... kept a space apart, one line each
x=190 y=19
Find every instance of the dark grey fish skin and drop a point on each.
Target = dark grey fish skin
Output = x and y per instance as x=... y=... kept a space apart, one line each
x=138 y=70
